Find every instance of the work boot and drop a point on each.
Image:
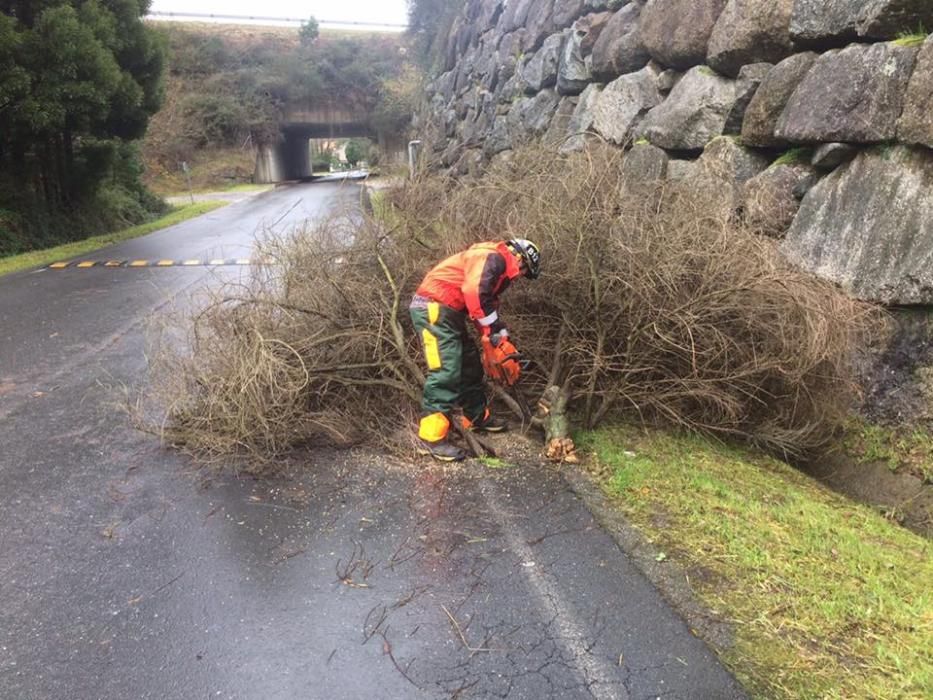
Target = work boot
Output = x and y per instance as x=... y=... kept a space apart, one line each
x=442 y=450
x=488 y=424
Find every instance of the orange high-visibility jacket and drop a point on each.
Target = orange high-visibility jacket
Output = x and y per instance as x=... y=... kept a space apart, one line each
x=472 y=281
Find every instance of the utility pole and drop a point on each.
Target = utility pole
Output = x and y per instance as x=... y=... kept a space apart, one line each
x=414 y=157
x=187 y=171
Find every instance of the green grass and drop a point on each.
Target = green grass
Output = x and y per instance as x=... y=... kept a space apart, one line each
x=70 y=251
x=901 y=449
x=494 y=463
x=794 y=156
x=380 y=207
x=247 y=187
x=244 y=187
x=827 y=598
x=383 y=211
x=911 y=39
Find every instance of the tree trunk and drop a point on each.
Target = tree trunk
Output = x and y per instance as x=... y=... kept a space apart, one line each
x=69 y=165
x=61 y=173
x=18 y=153
x=46 y=175
x=552 y=413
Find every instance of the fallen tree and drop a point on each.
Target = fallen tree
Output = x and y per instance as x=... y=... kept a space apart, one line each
x=648 y=306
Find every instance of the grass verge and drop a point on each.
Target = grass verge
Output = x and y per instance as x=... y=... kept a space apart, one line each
x=226 y=189
x=827 y=598
x=382 y=210
x=35 y=258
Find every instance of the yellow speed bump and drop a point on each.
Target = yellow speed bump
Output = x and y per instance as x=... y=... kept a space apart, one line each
x=216 y=262
x=113 y=263
x=60 y=265
x=191 y=263
x=87 y=263
x=139 y=263
x=243 y=261
x=165 y=263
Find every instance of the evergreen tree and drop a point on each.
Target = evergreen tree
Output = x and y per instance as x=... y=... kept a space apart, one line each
x=78 y=79
x=357 y=150
x=309 y=31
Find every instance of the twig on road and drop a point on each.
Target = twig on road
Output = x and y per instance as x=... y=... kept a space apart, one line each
x=286 y=214
x=139 y=599
x=463 y=639
x=387 y=650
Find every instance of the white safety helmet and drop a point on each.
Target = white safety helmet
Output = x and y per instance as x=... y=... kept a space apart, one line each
x=531 y=255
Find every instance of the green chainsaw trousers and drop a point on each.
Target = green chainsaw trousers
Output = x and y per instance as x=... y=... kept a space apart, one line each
x=455 y=371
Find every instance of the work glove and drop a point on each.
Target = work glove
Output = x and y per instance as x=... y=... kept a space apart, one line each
x=496 y=338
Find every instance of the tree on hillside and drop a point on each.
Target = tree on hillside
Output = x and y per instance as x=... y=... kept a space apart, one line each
x=428 y=24
x=426 y=15
x=77 y=80
x=233 y=91
x=398 y=100
x=357 y=150
x=14 y=81
x=309 y=31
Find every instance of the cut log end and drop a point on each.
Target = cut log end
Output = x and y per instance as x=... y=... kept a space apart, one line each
x=562 y=450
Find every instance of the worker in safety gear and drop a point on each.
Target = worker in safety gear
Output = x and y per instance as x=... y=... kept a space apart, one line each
x=466 y=285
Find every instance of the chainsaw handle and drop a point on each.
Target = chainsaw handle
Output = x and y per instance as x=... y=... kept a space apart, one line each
x=517 y=356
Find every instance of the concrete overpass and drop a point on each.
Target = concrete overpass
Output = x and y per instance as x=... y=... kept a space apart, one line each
x=290 y=159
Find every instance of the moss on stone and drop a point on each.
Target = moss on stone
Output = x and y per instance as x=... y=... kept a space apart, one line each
x=794 y=156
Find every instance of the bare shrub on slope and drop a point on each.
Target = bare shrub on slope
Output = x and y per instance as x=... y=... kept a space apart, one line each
x=654 y=301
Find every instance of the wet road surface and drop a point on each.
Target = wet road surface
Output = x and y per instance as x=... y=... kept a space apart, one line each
x=124 y=573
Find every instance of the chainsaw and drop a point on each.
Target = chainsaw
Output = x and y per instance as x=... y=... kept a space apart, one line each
x=504 y=365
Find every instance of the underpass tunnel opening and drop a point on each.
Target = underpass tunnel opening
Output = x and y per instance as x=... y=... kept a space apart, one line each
x=301 y=150
x=329 y=155
x=296 y=157
x=306 y=149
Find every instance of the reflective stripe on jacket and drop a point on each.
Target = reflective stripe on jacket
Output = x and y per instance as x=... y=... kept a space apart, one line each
x=473 y=280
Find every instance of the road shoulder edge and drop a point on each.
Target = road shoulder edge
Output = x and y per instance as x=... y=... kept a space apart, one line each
x=38 y=259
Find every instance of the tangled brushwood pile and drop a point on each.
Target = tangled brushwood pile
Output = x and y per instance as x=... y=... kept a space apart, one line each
x=648 y=304
x=312 y=348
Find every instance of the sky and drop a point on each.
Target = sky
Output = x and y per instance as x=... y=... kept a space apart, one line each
x=379 y=11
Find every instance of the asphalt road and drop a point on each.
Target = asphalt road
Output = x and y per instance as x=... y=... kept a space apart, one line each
x=125 y=574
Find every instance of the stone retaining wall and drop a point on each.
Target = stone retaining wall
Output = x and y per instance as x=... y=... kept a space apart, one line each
x=817 y=114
